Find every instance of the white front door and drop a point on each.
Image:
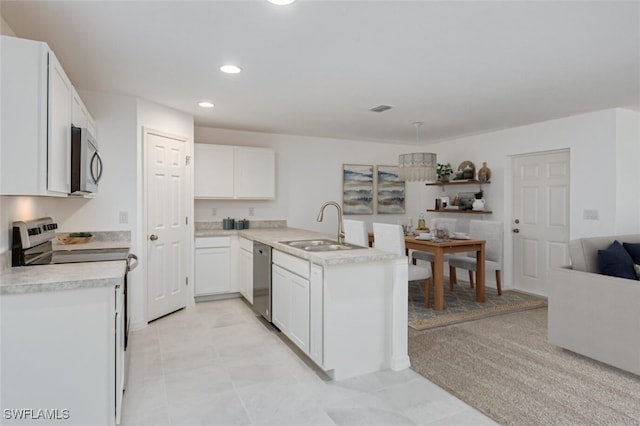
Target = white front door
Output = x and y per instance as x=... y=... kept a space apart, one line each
x=166 y=224
x=540 y=224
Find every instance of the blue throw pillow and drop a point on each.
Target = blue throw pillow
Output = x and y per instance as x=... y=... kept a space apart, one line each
x=616 y=262
x=634 y=251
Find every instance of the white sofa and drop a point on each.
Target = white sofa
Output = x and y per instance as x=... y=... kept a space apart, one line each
x=595 y=315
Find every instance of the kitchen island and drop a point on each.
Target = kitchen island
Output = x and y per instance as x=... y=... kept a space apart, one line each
x=345 y=309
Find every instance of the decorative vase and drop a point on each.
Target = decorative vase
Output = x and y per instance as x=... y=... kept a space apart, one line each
x=478 y=204
x=444 y=178
x=467 y=172
x=484 y=174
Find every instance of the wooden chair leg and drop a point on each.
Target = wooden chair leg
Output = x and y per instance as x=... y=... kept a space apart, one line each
x=498 y=284
x=471 y=284
x=427 y=285
x=452 y=277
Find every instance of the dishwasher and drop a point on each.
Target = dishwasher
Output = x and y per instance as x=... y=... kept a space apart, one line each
x=262 y=279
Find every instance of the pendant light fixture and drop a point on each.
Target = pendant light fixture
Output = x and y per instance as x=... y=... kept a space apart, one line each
x=418 y=166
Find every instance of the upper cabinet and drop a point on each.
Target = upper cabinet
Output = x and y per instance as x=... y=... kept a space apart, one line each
x=38 y=109
x=233 y=172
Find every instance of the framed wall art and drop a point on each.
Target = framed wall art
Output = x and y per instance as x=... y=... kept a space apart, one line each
x=357 y=189
x=391 y=191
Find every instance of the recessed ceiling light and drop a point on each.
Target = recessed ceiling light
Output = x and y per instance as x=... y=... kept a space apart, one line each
x=205 y=104
x=230 y=69
x=281 y=2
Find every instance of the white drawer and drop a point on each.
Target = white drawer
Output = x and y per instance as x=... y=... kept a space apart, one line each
x=291 y=263
x=202 y=242
x=246 y=244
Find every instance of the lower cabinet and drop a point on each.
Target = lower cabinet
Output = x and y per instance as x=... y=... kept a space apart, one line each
x=290 y=298
x=63 y=351
x=213 y=266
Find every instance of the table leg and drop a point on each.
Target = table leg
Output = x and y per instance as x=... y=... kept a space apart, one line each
x=438 y=281
x=481 y=275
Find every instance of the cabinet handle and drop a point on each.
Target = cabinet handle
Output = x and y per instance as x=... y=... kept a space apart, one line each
x=516 y=231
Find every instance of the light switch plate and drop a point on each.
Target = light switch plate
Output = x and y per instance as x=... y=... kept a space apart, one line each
x=123 y=217
x=591 y=214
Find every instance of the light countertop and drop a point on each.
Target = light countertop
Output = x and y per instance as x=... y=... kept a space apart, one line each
x=274 y=237
x=65 y=276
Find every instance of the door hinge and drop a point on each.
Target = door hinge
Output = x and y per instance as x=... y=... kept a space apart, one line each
x=186 y=280
x=186 y=220
x=187 y=160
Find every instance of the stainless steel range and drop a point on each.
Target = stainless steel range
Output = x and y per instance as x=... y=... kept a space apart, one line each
x=33 y=245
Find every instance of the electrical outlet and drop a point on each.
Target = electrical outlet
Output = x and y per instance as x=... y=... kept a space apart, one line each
x=252 y=211
x=123 y=217
x=214 y=212
x=589 y=214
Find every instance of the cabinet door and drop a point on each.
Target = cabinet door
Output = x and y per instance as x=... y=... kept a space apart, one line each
x=246 y=275
x=299 y=308
x=280 y=298
x=59 y=140
x=79 y=114
x=255 y=173
x=212 y=270
x=213 y=171
x=23 y=116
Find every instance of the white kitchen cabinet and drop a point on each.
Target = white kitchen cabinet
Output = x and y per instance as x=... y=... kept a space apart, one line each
x=59 y=144
x=66 y=353
x=213 y=266
x=80 y=116
x=230 y=172
x=290 y=298
x=255 y=173
x=316 y=330
x=245 y=269
x=213 y=171
x=36 y=116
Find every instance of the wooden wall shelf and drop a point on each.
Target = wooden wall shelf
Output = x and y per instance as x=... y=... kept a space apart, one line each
x=460 y=211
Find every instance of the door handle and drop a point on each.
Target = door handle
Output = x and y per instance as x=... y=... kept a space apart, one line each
x=516 y=231
x=153 y=237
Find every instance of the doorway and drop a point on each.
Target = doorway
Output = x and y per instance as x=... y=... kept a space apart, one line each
x=540 y=222
x=166 y=223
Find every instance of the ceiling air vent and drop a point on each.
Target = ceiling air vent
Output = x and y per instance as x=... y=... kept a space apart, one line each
x=380 y=108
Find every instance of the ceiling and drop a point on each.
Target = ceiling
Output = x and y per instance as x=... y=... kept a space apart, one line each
x=317 y=67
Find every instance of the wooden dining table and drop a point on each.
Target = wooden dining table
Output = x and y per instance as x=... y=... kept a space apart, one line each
x=441 y=247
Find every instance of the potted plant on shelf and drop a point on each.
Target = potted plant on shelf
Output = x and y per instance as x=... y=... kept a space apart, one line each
x=478 y=204
x=444 y=171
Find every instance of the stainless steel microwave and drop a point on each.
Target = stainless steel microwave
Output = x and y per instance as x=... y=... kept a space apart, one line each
x=86 y=163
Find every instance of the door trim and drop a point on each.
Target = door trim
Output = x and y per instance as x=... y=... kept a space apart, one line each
x=188 y=195
x=509 y=273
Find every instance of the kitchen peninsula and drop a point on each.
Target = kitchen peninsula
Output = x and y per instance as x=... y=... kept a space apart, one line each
x=345 y=309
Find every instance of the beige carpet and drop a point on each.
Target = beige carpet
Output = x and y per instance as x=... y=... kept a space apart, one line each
x=504 y=367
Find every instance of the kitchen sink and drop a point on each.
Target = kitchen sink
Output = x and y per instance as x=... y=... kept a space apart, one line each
x=321 y=245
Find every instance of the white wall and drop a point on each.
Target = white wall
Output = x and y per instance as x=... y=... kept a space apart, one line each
x=627 y=172
x=602 y=144
x=309 y=172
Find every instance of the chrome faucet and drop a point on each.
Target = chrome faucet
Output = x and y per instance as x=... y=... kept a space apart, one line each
x=340 y=227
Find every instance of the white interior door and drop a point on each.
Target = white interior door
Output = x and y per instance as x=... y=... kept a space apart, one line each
x=166 y=225
x=540 y=225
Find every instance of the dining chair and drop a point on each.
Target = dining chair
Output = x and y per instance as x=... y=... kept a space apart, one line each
x=355 y=232
x=491 y=231
x=391 y=238
x=436 y=223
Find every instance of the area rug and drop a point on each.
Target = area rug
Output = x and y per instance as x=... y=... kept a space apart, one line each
x=504 y=367
x=461 y=305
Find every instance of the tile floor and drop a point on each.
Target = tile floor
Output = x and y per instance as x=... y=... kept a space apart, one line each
x=217 y=364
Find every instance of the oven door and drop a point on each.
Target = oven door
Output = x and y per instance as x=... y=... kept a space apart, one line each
x=86 y=163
